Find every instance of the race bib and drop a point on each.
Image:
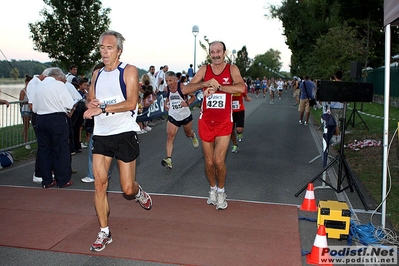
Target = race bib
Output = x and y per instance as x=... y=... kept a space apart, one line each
x=236 y=105
x=216 y=101
x=175 y=104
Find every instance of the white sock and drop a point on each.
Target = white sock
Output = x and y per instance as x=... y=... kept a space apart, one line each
x=214 y=188
x=220 y=190
x=105 y=230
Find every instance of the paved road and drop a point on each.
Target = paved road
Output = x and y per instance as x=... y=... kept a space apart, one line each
x=271 y=166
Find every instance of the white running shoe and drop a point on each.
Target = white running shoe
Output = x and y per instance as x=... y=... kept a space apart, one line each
x=101 y=242
x=221 y=201
x=87 y=179
x=212 y=199
x=37 y=179
x=195 y=141
x=147 y=128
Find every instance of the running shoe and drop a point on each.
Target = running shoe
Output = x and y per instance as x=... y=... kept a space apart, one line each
x=144 y=199
x=84 y=146
x=306 y=123
x=212 y=199
x=239 y=137
x=234 y=149
x=147 y=128
x=221 y=201
x=167 y=163
x=195 y=141
x=300 y=122
x=101 y=242
x=87 y=179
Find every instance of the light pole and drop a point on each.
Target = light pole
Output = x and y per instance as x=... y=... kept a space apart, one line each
x=234 y=53
x=195 y=32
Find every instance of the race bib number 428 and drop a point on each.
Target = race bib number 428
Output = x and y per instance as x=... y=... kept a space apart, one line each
x=216 y=101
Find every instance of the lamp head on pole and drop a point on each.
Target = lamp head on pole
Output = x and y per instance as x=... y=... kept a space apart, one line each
x=195 y=30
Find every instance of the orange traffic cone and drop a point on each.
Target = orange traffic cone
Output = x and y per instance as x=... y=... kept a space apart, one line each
x=309 y=202
x=319 y=255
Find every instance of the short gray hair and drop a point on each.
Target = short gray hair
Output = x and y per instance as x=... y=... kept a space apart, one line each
x=119 y=38
x=170 y=74
x=55 y=72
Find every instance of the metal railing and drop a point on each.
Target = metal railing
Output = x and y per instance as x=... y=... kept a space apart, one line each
x=11 y=128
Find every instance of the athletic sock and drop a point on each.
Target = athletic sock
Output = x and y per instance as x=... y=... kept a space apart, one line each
x=220 y=190
x=105 y=230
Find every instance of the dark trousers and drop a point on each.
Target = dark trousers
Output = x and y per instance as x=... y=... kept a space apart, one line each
x=77 y=122
x=37 y=165
x=53 y=150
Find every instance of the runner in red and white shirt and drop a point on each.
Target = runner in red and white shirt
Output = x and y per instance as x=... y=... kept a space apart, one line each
x=219 y=80
x=238 y=118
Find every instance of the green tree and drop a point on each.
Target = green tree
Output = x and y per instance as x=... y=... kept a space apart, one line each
x=304 y=21
x=14 y=73
x=242 y=61
x=69 y=32
x=205 y=47
x=335 y=51
x=267 y=64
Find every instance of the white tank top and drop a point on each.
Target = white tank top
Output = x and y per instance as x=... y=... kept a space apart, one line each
x=110 y=89
x=177 y=111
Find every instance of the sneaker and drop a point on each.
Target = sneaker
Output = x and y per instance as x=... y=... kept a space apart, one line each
x=300 y=122
x=234 y=149
x=27 y=146
x=147 y=128
x=306 y=123
x=144 y=199
x=167 y=162
x=101 y=242
x=221 y=201
x=195 y=141
x=212 y=197
x=83 y=146
x=37 y=179
x=87 y=179
x=142 y=131
x=151 y=124
x=239 y=137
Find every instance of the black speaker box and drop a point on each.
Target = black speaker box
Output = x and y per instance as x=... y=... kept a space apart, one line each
x=339 y=91
x=356 y=70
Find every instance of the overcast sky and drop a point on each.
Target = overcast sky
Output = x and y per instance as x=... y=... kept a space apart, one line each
x=159 y=32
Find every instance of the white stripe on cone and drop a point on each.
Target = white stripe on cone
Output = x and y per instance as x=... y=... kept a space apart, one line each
x=309 y=194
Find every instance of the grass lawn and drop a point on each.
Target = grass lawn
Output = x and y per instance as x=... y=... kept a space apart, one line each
x=367 y=162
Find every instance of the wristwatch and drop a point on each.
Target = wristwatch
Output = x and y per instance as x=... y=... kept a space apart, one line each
x=102 y=107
